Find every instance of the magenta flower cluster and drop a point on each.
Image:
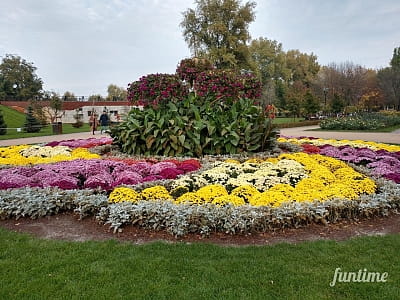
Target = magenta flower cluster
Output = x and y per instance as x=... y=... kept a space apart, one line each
x=82 y=143
x=155 y=88
x=382 y=162
x=224 y=84
x=189 y=68
x=93 y=173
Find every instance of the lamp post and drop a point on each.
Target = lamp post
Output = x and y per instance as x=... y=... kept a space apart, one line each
x=15 y=85
x=325 y=93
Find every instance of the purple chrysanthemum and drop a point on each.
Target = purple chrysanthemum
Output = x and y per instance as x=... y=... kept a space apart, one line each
x=128 y=177
x=171 y=173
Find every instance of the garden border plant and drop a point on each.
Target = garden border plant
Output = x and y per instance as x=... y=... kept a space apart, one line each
x=181 y=219
x=362 y=121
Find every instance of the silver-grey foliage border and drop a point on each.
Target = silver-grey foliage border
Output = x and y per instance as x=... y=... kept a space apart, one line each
x=182 y=219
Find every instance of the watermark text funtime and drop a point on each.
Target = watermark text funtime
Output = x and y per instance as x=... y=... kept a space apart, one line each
x=360 y=276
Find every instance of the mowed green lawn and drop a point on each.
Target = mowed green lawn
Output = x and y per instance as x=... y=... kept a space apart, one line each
x=287 y=120
x=14 y=119
x=32 y=268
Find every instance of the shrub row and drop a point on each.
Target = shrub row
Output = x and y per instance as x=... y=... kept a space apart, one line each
x=366 y=121
x=298 y=124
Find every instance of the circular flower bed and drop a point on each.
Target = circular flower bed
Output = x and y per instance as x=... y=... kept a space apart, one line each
x=311 y=180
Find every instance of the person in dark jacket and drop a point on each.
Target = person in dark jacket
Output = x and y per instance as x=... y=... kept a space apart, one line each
x=104 y=121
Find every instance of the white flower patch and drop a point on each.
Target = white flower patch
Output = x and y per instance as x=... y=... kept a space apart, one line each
x=45 y=151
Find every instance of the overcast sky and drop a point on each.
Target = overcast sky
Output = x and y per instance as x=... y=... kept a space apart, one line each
x=82 y=46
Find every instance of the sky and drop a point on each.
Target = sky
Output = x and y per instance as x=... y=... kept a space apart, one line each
x=82 y=46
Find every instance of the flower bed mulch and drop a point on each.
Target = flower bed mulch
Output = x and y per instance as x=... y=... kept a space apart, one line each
x=67 y=226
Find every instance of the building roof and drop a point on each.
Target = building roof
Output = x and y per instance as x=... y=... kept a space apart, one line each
x=68 y=105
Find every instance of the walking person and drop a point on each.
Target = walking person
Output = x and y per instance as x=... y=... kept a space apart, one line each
x=104 y=121
x=93 y=122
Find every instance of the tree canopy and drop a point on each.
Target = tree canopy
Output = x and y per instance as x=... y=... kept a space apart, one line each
x=267 y=59
x=218 y=30
x=389 y=80
x=116 y=93
x=18 y=80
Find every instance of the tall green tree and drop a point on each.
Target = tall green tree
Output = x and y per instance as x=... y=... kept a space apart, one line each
x=18 y=80
x=395 y=61
x=389 y=80
x=311 y=104
x=116 y=93
x=337 y=104
x=295 y=96
x=267 y=60
x=3 y=125
x=302 y=67
x=395 y=64
x=218 y=30
x=32 y=124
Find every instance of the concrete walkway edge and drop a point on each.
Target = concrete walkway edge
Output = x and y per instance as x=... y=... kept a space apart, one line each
x=381 y=137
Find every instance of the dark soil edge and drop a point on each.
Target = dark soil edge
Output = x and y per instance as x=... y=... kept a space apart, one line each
x=68 y=227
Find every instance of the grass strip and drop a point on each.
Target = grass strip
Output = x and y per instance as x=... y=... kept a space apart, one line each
x=34 y=268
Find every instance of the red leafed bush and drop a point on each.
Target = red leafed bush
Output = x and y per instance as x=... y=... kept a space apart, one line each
x=189 y=68
x=155 y=88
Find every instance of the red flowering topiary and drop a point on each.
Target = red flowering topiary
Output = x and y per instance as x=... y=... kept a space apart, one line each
x=224 y=84
x=156 y=88
x=189 y=68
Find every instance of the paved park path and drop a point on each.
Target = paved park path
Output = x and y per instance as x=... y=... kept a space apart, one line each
x=382 y=137
x=51 y=138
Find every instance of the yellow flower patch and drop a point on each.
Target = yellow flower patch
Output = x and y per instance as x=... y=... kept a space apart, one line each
x=228 y=199
x=189 y=197
x=122 y=194
x=338 y=143
x=245 y=192
x=209 y=192
x=155 y=193
x=29 y=155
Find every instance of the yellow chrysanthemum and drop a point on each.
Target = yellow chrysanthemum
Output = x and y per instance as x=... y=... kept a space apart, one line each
x=245 y=192
x=189 y=197
x=157 y=192
x=123 y=194
x=338 y=143
x=254 y=161
x=232 y=161
x=210 y=192
x=268 y=198
x=228 y=199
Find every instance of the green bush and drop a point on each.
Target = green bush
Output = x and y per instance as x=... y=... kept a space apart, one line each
x=195 y=127
x=366 y=121
x=32 y=124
